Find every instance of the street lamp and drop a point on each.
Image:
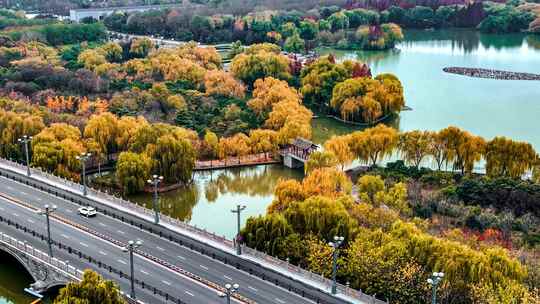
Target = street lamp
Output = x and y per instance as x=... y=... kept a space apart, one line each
x=25 y=140
x=230 y=290
x=238 y=210
x=434 y=281
x=47 y=212
x=338 y=240
x=83 y=158
x=155 y=181
x=131 y=246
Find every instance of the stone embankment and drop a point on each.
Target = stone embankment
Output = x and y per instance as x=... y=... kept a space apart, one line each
x=491 y=74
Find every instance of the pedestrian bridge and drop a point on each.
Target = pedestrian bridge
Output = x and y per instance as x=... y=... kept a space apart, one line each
x=46 y=272
x=297 y=153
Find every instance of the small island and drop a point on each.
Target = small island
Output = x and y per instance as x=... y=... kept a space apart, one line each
x=491 y=74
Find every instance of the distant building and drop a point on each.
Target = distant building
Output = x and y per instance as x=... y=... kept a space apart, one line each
x=100 y=13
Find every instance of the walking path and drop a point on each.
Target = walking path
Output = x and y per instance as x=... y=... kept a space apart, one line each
x=233 y=162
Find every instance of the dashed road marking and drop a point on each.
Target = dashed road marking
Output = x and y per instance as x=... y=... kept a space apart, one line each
x=181 y=257
x=227 y=277
x=65 y=236
x=204 y=267
x=123 y=262
x=24 y=193
x=69 y=211
x=121 y=232
x=15 y=214
x=31 y=221
x=189 y=293
x=101 y=224
x=103 y=253
x=253 y=288
x=280 y=300
x=144 y=272
x=166 y=282
x=159 y=248
x=83 y=244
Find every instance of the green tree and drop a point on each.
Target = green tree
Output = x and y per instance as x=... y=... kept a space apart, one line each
x=174 y=158
x=132 y=171
x=294 y=44
x=91 y=290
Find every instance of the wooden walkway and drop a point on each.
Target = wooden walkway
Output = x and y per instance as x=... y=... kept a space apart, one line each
x=234 y=162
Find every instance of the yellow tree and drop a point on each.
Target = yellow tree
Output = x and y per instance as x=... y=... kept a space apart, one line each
x=414 y=146
x=263 y=141
x=212 y=142
x=506 y=157
x=103 y=129
x=141 y=47
x=469 y=152
x=92 y=58
x=372 y=144
x=437 y=148
x=320 y=159
x=339 y=146
x=127 y=128
x=249 y=67
x=219 y=82
x=270 y=91
x=329 y=182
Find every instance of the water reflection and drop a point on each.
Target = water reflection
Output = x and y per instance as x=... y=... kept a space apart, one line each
x=13 y=279
x=207 y=201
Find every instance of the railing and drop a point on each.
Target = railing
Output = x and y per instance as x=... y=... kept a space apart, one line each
x=41 y=256
x=203 y=233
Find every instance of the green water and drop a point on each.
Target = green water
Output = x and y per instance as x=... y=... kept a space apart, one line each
x=13 y=280
x=483 y=106
x=209 y=200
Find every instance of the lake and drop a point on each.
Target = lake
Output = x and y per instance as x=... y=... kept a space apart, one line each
x=483 y=106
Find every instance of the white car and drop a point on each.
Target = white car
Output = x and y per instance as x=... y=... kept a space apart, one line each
x=87 y=211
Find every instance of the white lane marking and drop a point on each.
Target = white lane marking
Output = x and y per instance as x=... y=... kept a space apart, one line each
x=144 y=272
x=63 y=235
x=15 y=214
x=38 y=199
x=227 y=277
x=10 y=188
x=123 y=262
x=83 y=244
x=181 y=257
x=24 y=193
x=253 y=288
x=31 y=221
x=101 y=224
x=2 y=209
x=103 y=253
x=204 y=267
x=165 y=282
x=159 y=248
x=69 y=211
x=121 y=232
x=189 y=293
x=280 y=300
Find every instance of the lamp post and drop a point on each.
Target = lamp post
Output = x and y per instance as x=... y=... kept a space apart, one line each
x=47 y=212
x=83 y=158
x=25 y=140
x=238 y=210
x=434 y=281
x=130 y=247
x=338 y=240
x=230 y=290
x=155 y=181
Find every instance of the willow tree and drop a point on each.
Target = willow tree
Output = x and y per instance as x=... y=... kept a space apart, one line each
x=414 y=146
x=372 y=144
x=263 y=141
x=319 y=160
x=339 y=146
x=270 y=91
x=318 y=80
x=221 y=83
x=132 y=171
x=506 y=157
x=250 y=66
x=93 y=289
x=103 y=129
x=174 y=158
